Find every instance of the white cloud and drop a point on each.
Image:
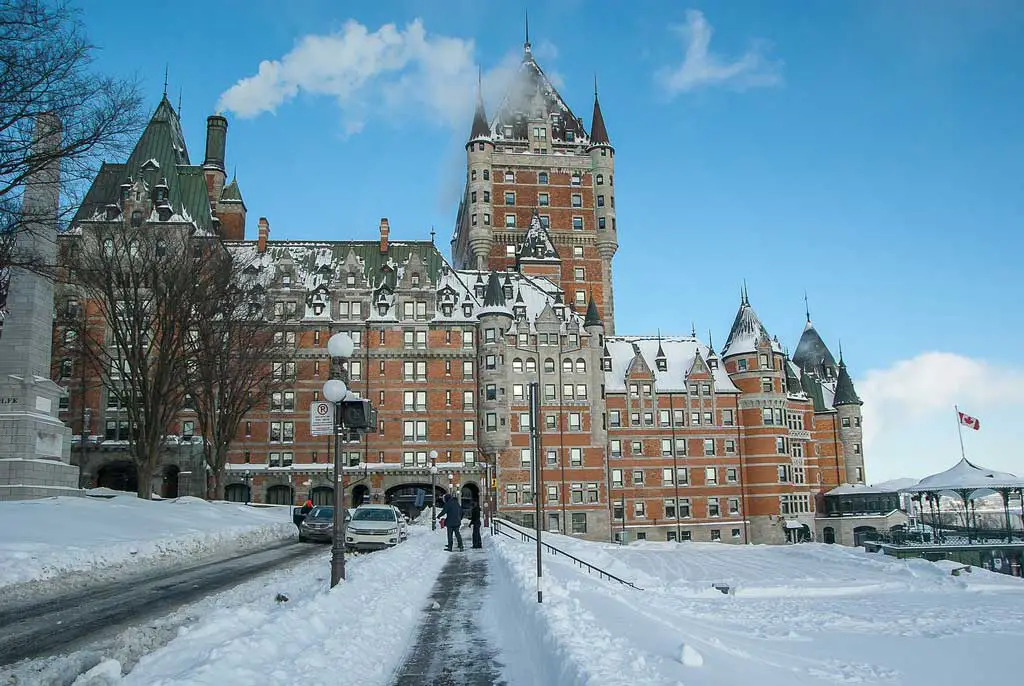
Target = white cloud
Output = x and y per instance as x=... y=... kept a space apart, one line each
x=910 y=425
x=391 y=73
x=701 y=67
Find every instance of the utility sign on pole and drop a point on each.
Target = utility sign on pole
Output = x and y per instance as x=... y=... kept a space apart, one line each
x=321 y=418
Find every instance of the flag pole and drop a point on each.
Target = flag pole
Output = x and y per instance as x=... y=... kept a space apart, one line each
x=960 y=431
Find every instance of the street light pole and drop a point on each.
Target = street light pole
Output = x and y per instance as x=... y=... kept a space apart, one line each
x=538 y=487
x=340 y=347
x=433 y=490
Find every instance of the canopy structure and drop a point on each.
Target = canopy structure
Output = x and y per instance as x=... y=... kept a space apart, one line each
x=969 y=482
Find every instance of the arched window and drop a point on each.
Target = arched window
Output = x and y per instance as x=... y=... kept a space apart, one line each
x=517 y=365
x=531 y=365
x=472 y=175
x=510 y=177
x=581 y=366
x=542 y=178
x=567 y=366
x=487 y=174
x=549 y=366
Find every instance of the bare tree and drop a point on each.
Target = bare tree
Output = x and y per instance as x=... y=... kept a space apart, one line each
x=46 y=67
x=142 y=288
x=237 y=359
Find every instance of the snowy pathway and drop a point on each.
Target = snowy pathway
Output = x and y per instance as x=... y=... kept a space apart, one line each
x=452 y=648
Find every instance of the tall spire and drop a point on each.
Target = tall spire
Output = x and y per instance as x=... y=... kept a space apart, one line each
x=744 y=299
x=598 y=132
x=481 y=129
x=526 y=45
x=807 y=308
x=593 y=317
x=167 y=68
x=711 y=342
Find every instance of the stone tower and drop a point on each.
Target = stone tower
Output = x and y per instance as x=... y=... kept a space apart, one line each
x=495 y=318
x=35 y=446
x=847 y=405
x=535 y=158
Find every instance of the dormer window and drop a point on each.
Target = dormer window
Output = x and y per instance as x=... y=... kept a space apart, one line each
x=318 y=309
x=467 y=310
x=741 y=365
x=286 y=279
x=570 y=136
x=446 y=309
x=382 y=309
x=662 y=364
x=508 y=131
x=519 y=311
x=713 y=363
x=479 y=289
x=507 y=290
x=606 y=364
x=415 y=280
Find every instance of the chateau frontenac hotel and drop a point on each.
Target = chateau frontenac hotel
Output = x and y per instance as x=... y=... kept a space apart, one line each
x=642 y=437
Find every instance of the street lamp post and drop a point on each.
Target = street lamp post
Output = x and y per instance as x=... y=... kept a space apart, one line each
x=433 y=490
x=248 y=488
x=339 y=347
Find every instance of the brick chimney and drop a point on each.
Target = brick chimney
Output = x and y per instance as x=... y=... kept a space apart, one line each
x=263 y=235
x=384 y=231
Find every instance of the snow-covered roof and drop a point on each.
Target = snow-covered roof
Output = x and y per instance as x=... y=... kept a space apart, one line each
x=747 y=330
x=526 y=296
x=892 y=486
x=965 y=475
x=680 y=353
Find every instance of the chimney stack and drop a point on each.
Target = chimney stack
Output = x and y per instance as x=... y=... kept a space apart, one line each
x=385 y=230
x=263 y=235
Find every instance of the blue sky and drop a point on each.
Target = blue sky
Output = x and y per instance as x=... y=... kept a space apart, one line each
x=870 y=153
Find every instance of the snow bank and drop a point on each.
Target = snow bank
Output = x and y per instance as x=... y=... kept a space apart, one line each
x=357 y=632
x=101 y=538
x=808 y=614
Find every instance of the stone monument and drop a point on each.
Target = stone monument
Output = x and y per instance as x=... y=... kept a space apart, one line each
x=35 y=446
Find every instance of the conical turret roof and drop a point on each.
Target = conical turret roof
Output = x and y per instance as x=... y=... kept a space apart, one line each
x=598 y=132
x=494 y=297
x=746 y=331
x=481 y=129
x=593 y=317
x=812 y=353
x=845 y=392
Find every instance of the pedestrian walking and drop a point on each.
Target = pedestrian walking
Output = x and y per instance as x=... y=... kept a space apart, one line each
x=474 y=520
x=451 y=512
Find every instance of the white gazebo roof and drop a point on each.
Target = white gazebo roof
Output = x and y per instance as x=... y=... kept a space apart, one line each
x=965 y=475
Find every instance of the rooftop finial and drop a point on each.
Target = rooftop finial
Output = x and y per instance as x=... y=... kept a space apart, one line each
x=745 y=300
x=167 y=67
x=693 y=329
x=711 y=342
x=807 y=308
x=840 y=351
x=432 y=234
x=526 y=45
x=179 y=103
x=595 y=84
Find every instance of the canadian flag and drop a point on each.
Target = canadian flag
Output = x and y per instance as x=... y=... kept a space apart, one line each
x=970 y=421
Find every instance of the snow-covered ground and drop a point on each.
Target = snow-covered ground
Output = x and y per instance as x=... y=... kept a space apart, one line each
x=807 y=614
x=100 y=539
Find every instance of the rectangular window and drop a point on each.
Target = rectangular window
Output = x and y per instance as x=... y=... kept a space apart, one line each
x=543 y=200
x=616 y=448
x=714 y=510
x=617 y=478
x=577 y=200
x=766 y=384
x=579 y=522
x=577 y=223
x=731 y=475
x=469 y=429
x=709 y=446
x=727 y=418
x=575 y=423
x=576 y=457
x=710 y=476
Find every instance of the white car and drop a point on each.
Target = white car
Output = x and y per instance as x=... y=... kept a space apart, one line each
x=373 y=527
x=403 y=524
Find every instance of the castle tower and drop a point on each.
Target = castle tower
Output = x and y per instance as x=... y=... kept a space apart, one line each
x=35 y=446
x=213 y=165
x=479 y=153
x=602 y=156
x=847 y=405
x=495 y=318
x=593 y=325
x=536 y=156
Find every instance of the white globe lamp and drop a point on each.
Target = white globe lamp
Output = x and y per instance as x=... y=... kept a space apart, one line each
x=335 y=390
x=340 y=345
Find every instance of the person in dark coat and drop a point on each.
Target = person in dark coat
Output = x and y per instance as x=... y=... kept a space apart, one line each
x=306 y=507
x=474 y=520
x=452 y=513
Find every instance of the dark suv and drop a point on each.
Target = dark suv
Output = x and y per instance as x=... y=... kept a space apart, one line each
x=318 y=525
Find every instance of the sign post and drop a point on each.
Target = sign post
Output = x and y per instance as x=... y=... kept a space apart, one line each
x=321 y=418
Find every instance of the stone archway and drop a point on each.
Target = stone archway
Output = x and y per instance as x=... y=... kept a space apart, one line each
x=829 y=535
x=360 y=495
x=322 y=495
x=404 y=497
x=119 y=475
x=470 y=494
x=280 y=495
x=237 y=493
x=169 y=483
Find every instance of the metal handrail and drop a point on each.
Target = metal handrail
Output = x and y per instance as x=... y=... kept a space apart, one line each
x=583 y=564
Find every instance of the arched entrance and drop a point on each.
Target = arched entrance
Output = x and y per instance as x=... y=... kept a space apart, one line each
x=863 y=533
x=322 y=495
x=280 y=495
x=360 y=495
x=120 y=475
x=404 y=497
x=470 y=493
x=829 y=535
x=237 y=493
x=169 y=485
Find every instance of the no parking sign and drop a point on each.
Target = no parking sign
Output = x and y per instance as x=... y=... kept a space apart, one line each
x=321 y=418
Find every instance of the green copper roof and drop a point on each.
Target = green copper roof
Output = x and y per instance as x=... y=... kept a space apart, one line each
x=160 y=153
x=232 y=193
x=812 y=387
